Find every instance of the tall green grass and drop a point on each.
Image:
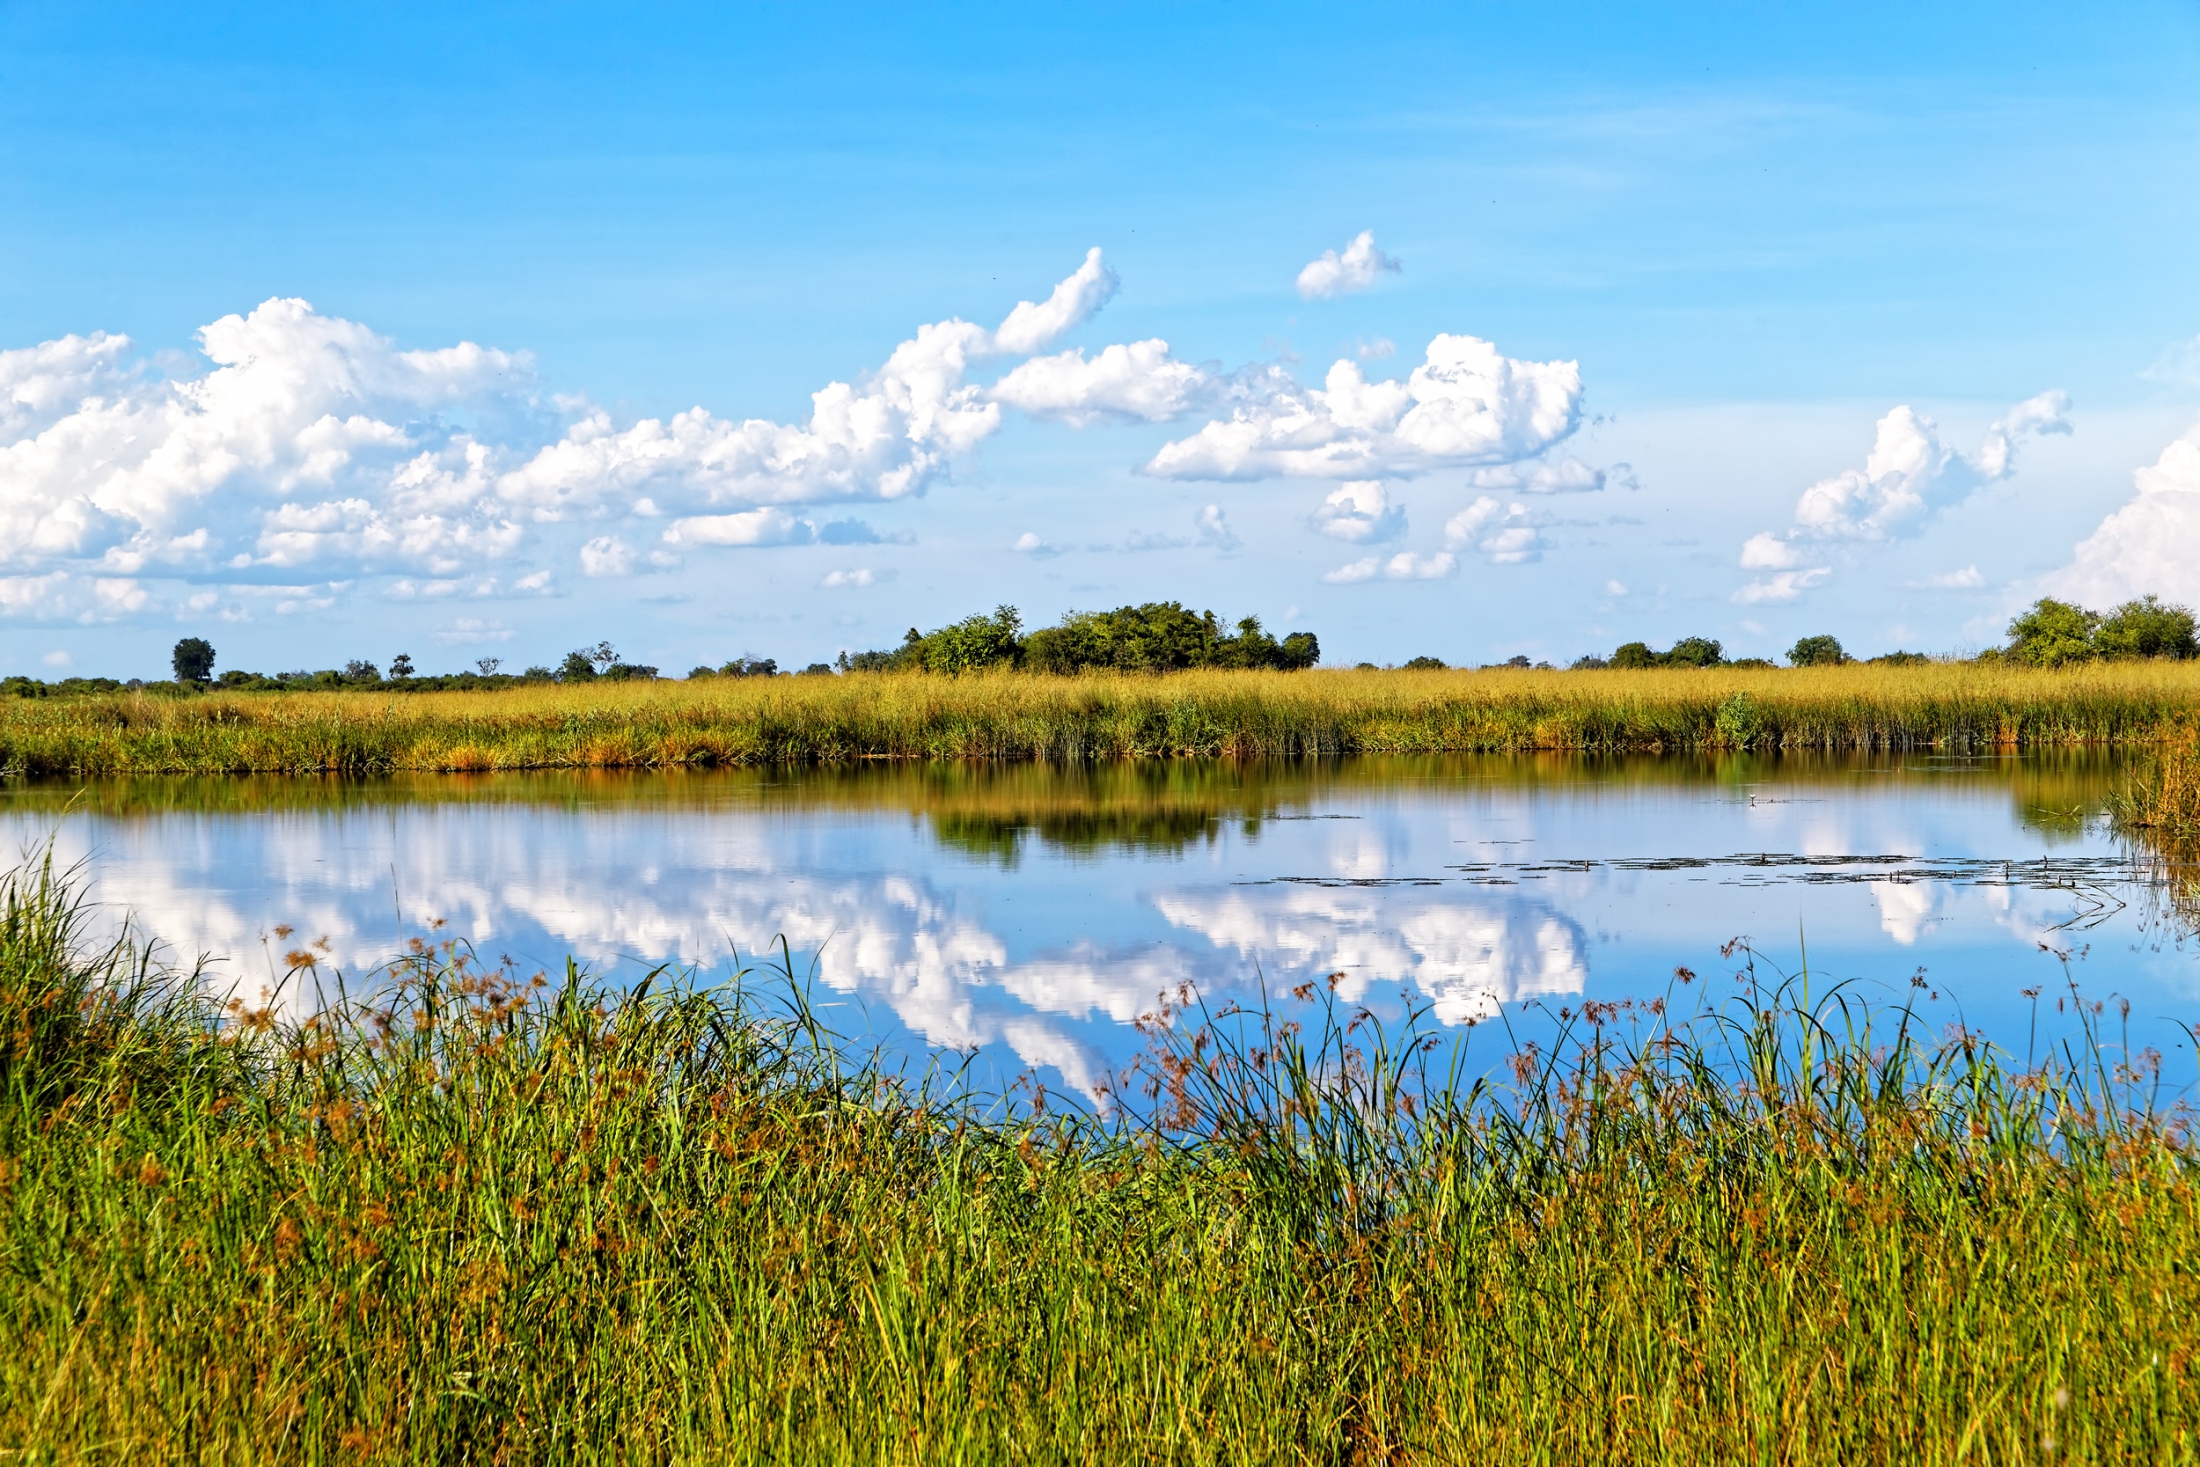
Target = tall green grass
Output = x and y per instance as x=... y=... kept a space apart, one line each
x=1019 y=716
x=477 y=1216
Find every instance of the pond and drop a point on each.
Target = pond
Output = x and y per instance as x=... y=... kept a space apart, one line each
x=1026 y=916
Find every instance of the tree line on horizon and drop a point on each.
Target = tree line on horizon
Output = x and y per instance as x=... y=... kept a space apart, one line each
x=1166 y=636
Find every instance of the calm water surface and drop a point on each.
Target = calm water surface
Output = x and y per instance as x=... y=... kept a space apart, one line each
x=1029 y=915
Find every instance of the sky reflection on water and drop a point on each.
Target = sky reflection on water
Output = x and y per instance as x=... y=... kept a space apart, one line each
x=1032 y=914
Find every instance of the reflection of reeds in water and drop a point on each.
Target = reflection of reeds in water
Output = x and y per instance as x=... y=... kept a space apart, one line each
x=990 y=808
x=1014 y=716
x=2158 y=812
x=486 y=1220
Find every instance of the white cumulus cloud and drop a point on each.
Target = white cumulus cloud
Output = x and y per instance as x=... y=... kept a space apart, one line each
x=1786 y=586
x=1357 y=268
x=310 y=441
x=2150 y=543
x=1136 y=380
x=1466 y=406
x=1505 y=534
x=1359 y=511
x=1908 y=477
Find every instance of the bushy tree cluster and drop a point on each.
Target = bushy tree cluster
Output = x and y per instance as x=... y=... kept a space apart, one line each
x=2057 y=633
x=1159 y=636
x=1687 y=652
x=587 y=664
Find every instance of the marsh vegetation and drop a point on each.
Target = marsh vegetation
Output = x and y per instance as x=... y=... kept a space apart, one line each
x=476 y=1213
x=643 y=723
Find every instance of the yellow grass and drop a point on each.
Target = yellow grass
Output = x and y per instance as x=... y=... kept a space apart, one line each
x=1020 y=716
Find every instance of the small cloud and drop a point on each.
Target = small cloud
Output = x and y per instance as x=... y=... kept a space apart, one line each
x=1029 y=543
x=1614 y=588
x=1138 y=540
x=535 y=583
x=766 y=526
x=469 y=630
x=855 y=577
x=1359 y=511
x=1767 y=551
x=1359 y=267
x=1505 y=534
x=57 y=658
x=847 y=532
x=1377 y=349
x=1786 y=586
x=2177 y=366
x=1967 y=579
x=1406 y=566
x=1568 y=476
x=1214 y=528
x=607 y=556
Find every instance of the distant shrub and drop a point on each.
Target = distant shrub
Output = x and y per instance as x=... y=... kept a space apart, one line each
x=1899 y=659
x=1426 y=664
x=1591 y=663
x=1751 y=662
x=818 y=669
x=1820 y=651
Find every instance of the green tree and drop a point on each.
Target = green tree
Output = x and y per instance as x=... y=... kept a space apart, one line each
x=1636 y=654
x=2147 y=627
x=193 y=660
x=2053 y=634
x=1821 y=651
x=1695 y=652
x=974 y=642
x=578 y=667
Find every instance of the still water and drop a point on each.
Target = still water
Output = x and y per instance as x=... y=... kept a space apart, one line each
x=1026 y=916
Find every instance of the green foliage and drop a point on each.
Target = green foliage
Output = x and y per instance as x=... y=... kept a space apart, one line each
x=1900 y=659
x=193 y=660
x=1159 y=636
x=2053 y=634
x=1426 y=664
x=1820 y=651
x=970 y=644
x=1687 y=652
x=2147 y=627
x=1636 y=655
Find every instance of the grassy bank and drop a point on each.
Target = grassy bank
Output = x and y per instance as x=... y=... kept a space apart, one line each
x=497 y=1221
x=1023 y=717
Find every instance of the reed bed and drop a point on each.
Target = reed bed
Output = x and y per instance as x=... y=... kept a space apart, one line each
x=1012 y=716
x=2158 y=812
x=482 y=1216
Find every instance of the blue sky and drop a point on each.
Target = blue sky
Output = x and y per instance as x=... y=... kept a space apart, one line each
x=1881 y=323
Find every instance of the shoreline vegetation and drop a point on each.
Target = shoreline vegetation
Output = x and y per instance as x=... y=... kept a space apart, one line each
x=1012 y=716
x=494 y=1216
